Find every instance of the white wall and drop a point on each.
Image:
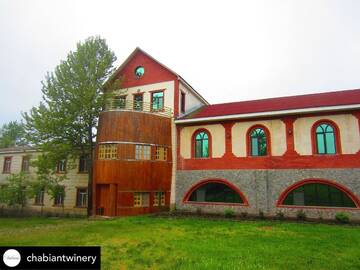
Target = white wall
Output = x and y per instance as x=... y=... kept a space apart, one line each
x=277 y=136
x=192 y=102
x=168 y=88
x=349 y=133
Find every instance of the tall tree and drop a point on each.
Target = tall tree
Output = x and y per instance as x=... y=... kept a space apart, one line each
x=63 y=126
x=12 y=134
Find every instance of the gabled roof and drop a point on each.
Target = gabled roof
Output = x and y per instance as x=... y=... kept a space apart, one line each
x=276 y=106
x=137 y=49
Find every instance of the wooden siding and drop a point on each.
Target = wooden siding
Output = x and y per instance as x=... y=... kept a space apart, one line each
x=116 y=180
x=134 y=127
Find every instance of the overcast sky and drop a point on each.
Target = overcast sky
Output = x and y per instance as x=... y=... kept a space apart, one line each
x=227 y=50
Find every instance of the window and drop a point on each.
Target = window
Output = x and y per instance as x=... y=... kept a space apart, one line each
x=7 y=165
x=25 y=164
x=182 y=102
x=325 y=139
x=201 y=145
x=157 y=101
x=108 y=151
x=159 y=199
x=142 y=152
x=61 y=167
x=139 y=71
x=161 y=153
x=138 y=102
x=59 y=198
x=119 y=102
x=318 y=194
x=81 y=197
x=215 y=192
x=258 y=144
x=141 y=199
x=39 y=197
x=84 y=164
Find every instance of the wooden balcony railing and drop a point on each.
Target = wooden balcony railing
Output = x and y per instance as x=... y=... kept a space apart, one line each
x=115 y=104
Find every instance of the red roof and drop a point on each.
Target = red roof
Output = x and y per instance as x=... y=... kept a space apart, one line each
x=347 y=97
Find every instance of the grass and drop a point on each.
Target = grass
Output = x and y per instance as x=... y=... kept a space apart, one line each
x=191 y=243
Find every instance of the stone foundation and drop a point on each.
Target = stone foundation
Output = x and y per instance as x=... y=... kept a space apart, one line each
x=262 y=189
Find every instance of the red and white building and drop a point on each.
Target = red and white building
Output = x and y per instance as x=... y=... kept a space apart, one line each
x=160 y=143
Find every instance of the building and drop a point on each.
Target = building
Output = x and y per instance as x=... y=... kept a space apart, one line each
x=160 y=143
x=18 y=159
x=135 y=159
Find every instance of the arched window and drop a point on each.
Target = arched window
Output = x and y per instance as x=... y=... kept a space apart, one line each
x=325 y=139
x=214 y=191
x=318 y=193
x=201 y=145
x=258 y=142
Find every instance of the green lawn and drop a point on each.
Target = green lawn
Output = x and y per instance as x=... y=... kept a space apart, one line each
x=190 y=243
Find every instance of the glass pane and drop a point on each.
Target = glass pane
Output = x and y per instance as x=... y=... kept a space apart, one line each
x=158 y=101
x=299 y=197
x=329 y=128
x=289 y=200
x=138 y=99
x=318 y=195
x=198 y=149
x=347 y=202
x=330 y=143
x=262 y=144
x=215 y=192
x=320 y=143
x=205 y=148
x=139 y=71
x=323 y=195
x=254 y=147
x=320 y=129
x=310 y=194
x=336 y=197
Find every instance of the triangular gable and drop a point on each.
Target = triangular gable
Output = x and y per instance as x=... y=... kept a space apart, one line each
x=154 y=71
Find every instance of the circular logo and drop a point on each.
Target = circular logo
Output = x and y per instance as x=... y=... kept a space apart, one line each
x=11 y=257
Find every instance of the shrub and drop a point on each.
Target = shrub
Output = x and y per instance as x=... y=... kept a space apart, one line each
x=198 y=211
x=244 y=214
x=229 y=213
x=300 y=215
x=261 y=215
x=342 y=217
x=280 y=215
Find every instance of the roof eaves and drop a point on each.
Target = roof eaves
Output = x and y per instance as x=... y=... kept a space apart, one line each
x=267 y=114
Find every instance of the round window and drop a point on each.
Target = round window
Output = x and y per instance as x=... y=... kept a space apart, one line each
x=139 y=71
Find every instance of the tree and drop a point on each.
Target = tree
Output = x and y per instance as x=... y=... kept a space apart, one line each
x=63 y=126
x=15 y=193
x=12 y=134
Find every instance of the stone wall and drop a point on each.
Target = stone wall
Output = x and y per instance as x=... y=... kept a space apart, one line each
x=262 y=189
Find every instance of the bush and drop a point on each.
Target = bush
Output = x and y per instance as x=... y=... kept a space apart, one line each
x=342 y=217
x=261 y=215
x=280 y=215
x=198 y=211
x=229 y=213
x=300 y=215
x=244 y=214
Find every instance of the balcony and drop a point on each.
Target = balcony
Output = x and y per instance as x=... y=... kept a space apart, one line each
x=115 y=104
